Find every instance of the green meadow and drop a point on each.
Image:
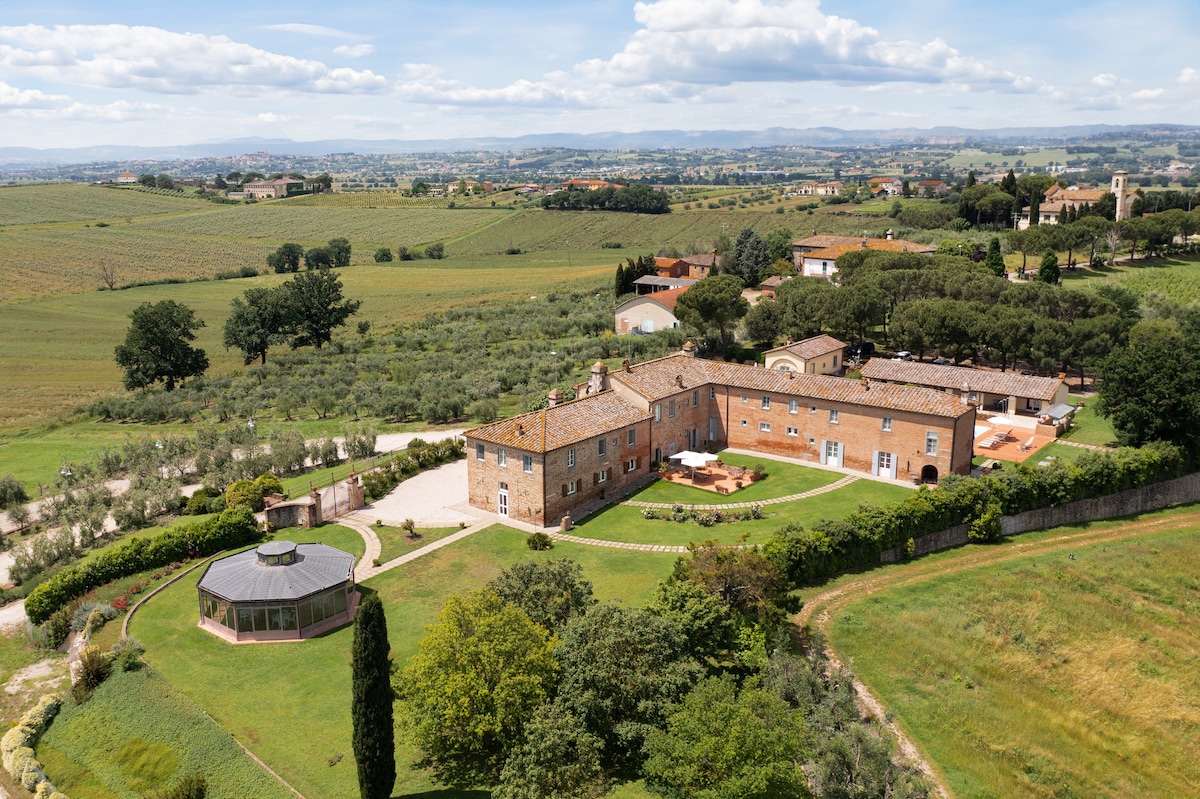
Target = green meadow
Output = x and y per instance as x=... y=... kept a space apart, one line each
x=1068 y=673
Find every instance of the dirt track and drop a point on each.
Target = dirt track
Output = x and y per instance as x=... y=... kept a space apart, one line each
x=821 y=608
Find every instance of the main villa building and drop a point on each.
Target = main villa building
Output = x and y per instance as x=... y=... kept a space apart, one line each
x=541 y=466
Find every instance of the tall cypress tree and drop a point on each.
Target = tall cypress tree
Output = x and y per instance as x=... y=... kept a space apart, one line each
x=371 y=709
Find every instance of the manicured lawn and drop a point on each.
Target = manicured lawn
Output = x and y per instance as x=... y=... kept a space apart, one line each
x=395 y=542
x=253 y=691
x=780 y=480
x=625 y=523
x=1090 y=427
x=1062 y=674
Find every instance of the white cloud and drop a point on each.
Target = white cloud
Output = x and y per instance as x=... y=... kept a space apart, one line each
x=120 y=111
x=355 y=50
x=1105 y=80
x=691 y=50
x=1147 y=94
x=723 y=41
x=1189 y=75
x=12 y=97
x=270 y=116
x=157 y=60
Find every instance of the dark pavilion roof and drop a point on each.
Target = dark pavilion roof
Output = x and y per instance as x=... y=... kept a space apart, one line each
x=244 y=577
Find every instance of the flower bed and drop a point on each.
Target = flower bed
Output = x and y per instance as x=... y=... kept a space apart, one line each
x=704 y=518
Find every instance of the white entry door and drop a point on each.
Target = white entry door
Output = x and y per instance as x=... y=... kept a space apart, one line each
x=502 y=500
x=885 y=465
x=833 y=454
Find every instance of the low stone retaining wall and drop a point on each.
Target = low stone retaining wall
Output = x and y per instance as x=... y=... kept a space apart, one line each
x=1157 y=496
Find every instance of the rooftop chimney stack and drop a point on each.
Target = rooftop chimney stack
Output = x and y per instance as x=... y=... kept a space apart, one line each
x=599 y=379
x=689 y=349
x=555 y=397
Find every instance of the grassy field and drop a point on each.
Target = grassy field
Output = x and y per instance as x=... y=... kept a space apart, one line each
x=366 y=228
x=301 y=738
x=1174 y=279
x=74 y=202
x=137 y=734
x=1071 y=673
x=40 y=379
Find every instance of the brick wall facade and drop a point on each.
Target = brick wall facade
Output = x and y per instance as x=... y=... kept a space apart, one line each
x=864 y=435
x=543 y=495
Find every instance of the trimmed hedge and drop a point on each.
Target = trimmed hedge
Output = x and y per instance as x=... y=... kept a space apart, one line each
x=16 y=747
x=860 y=538
x=233 y=528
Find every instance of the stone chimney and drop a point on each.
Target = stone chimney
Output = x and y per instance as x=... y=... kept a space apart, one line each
x=555 y=397
x=625 y=366
x=599 y=379
x=689 y=349
x=679 y=381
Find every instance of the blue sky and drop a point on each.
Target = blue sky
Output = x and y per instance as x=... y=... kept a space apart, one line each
x=82 y=73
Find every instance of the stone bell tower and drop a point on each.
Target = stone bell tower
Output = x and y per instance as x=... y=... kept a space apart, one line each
x=1120 y=187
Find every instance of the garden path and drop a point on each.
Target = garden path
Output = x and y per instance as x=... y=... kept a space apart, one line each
x=834 y=486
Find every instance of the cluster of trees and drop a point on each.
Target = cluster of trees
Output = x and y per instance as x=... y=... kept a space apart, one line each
x=636 y=199
x=532 y=686
x=951 y=307
x=435 y=252
x=304 y=312
x=288 y=257
x=1150 y=382
x=457 y=363
x=631 y=270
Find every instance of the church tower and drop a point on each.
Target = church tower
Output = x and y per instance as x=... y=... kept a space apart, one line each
x=1120 y=187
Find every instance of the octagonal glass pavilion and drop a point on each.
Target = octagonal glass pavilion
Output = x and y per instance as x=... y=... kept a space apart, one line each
x=279 y=591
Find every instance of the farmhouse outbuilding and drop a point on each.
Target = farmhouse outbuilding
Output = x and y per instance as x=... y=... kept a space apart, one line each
x=1000 y=392
x=819 y=355
x=279 y=591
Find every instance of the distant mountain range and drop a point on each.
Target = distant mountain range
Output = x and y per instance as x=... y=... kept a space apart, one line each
x=648 y=139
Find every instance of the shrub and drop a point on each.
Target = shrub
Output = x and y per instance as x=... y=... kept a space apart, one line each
x=987 y=526
x=539 y=542
x=197 y=503
x=234 y=527
x=82 y=615
x=192 y=786
x=11 y=492
x=94 y=668
x=58 y=628
x=127 y=653
x=16 y=747
x=244 y=493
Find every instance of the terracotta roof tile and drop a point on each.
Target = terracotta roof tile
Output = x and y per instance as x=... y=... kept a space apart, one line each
x=813 y=347
x=655 y=380
x=943 y=377
x=569 y=423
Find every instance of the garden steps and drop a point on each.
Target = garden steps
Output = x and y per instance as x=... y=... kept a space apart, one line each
x=834 y=486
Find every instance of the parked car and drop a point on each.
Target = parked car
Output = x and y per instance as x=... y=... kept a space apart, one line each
x=862 y=350
x=903 y=355
x=943 y=361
